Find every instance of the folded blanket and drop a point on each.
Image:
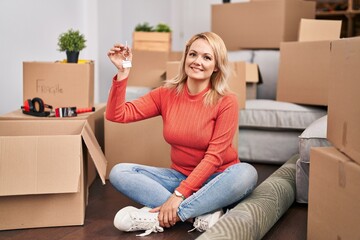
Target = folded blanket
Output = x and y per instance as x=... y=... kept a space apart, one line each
x=253 y=217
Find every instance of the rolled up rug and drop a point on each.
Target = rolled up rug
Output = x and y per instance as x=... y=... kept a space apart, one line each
x=253 y=217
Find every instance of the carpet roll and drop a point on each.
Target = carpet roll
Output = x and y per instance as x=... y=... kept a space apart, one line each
x=253 y=217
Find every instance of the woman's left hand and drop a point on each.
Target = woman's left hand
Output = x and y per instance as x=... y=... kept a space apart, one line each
x=168 y=211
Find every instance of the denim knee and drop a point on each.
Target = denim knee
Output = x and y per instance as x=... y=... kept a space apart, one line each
x=116 y=172
x=251 y=175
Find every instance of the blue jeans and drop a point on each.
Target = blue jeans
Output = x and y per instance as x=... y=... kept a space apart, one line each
x=152 y=186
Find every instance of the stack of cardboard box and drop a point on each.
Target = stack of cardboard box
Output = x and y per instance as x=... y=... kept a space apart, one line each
x=259 y=25
x=334 y=194
x=316 y=68
x=47 y=163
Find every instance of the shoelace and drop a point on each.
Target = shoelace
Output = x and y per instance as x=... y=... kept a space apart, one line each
x=200 y=225
x=155 y=228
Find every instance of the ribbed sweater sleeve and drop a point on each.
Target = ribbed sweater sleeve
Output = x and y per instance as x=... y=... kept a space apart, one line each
x=117 y=110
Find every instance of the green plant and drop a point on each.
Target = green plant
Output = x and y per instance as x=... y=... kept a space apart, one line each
x=162 y=27
x=71 y=41
x=146 y=27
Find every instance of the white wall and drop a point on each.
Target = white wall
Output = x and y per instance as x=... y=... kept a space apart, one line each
x=30 y=29
x=29 y=32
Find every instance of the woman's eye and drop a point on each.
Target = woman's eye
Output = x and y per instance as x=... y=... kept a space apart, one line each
x=192 y=54
x=207 y=58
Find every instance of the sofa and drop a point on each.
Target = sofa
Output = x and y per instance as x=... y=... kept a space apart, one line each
x=269 y=130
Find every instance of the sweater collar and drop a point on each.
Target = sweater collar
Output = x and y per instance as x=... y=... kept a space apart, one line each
x=195 y=96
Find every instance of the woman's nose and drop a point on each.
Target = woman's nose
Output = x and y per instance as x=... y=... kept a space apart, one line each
x=197 y=60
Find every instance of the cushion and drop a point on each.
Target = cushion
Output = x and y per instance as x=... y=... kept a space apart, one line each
x=267 y=146
x=264 y=113
x=254 y=216
x=241 y=55
x=268 y=62
x=133 y=92
x=313 y=136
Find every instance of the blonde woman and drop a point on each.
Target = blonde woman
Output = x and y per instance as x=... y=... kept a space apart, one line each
x=200 y=118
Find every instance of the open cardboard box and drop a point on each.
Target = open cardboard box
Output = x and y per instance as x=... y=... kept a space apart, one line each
x=94 y=119
x=304 y=68
x=43 y=172
x=261 y=23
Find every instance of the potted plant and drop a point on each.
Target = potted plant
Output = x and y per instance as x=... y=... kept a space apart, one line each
x=147 y=37
x=144 y=27
x=71 y=42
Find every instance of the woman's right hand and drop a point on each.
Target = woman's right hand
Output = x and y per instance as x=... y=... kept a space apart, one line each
x=117 y=54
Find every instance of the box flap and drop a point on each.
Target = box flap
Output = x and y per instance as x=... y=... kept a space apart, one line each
x=40 y=128
x=39 y=164
x=252 y=73
x=95 y=151
x=319 y=30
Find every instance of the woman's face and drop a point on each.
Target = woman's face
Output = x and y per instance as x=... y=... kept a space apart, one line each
x=200 y=61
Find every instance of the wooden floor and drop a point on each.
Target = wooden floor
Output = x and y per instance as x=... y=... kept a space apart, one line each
x=104 y=202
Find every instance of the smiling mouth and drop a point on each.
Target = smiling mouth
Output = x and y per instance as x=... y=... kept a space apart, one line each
x=196 y=69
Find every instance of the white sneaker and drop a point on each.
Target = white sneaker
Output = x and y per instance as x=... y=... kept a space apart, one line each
x=131 y=219
x=204 y=222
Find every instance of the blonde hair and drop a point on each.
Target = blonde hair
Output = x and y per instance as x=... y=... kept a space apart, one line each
x=218 y=79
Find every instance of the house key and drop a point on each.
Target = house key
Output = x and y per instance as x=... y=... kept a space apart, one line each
x=126 y=63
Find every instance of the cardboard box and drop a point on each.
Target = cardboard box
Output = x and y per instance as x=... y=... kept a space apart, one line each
x=242 y=73
x=152 y=41
x=259 y=24
x=334 y=196
x=59 y=84
x=319 y=30
x=304 y=67
x=43 y=178
x=304 y=72
x=94 y=119
x=149 y=67
x=343 y=129
x=138 y=142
